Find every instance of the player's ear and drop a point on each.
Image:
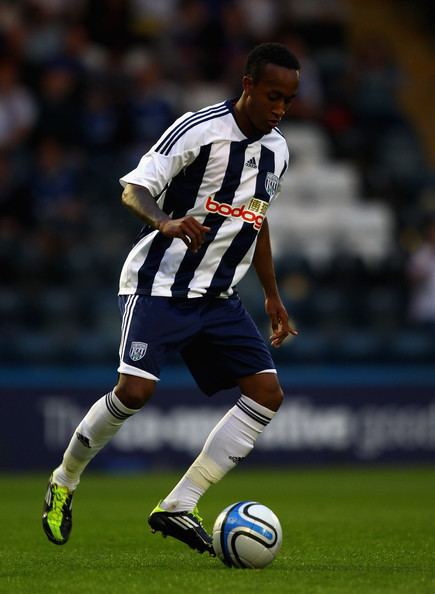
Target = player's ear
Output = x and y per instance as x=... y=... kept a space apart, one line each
x=248 y=83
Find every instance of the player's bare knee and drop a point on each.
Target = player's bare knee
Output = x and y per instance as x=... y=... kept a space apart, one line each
x=274 y=398
x=264 y=388
x=134 y=391
x=271 y=399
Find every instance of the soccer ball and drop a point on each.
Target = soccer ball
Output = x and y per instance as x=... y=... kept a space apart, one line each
x=247 y=534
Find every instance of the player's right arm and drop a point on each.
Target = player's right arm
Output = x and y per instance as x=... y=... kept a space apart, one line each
x=140 y=201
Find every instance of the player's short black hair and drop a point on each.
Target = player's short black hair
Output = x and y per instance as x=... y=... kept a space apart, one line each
x=269 y=53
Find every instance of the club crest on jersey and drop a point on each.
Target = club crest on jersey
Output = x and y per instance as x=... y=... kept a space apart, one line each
x=137 y=350
x=271 y=184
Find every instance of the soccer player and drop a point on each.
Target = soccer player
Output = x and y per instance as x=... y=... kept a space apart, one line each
x=203 y=191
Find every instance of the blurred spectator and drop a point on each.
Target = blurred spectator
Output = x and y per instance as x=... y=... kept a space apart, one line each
x=152 y=18
x=59 y=103
x=308 y=105
x=12 y=30
x=150 y=103
x=17 y=106
x=44 y=31
x=108 y=22
x=81 y=53
x=376 y=81
x=321 y=23
x=383 y=140
x=58 y=9
x=261 y=18
x=100 y=121
x=16 y=211
x=198 y=37
x=56 y=186
x=421 y=274
x=16 y=218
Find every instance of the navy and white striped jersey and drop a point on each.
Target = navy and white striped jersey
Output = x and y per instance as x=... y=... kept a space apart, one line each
x=204 y=166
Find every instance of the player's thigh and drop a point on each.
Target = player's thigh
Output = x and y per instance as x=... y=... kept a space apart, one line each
x=242 y=350
x=152 y=327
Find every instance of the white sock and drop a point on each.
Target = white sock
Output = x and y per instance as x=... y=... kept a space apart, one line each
x=99 y=425
x=229 y=442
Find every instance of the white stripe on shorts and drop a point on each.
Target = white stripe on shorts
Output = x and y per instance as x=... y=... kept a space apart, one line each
x=126 y=321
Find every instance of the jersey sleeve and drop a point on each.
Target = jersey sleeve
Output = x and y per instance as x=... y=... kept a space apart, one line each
x=177 y=148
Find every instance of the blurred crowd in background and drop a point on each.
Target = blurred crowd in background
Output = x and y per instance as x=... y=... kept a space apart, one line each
x=86 y=87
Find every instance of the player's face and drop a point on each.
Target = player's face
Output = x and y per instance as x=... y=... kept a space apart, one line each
x=270 y=97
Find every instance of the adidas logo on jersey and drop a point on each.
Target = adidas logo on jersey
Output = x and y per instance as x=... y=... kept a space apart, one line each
x=251 y=163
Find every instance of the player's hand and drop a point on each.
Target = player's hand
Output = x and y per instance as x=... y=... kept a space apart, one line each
x=281 y=327
x=188 y=229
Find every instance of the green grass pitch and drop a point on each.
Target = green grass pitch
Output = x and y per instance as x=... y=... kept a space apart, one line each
x=350 y=531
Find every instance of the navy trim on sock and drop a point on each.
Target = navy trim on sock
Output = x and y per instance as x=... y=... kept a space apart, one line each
x=114 y=410
x=260 y=418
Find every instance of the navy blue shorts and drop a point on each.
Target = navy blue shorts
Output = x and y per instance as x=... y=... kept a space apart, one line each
x=217 y=339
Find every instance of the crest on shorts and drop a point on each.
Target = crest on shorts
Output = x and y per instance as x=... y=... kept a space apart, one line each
x=137 y=350
x=271 y=184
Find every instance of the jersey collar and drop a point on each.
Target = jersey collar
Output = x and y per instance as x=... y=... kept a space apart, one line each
x=254 y=137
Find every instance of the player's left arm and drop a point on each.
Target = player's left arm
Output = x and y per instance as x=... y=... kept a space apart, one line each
x=263 y=264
